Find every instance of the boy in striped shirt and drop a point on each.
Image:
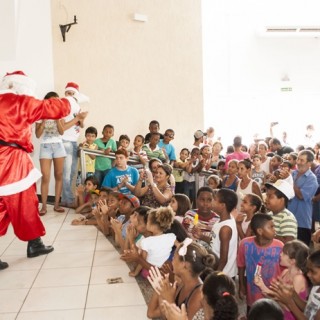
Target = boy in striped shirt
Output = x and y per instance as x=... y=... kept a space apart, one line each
x=278 y=196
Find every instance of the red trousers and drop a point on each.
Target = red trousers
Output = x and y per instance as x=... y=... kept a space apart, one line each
x=21 y=210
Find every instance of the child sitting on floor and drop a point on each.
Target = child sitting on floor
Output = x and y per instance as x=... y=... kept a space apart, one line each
x=156 y=249
x=83 y=197
x=137 y=229
x=127 y=204
x=88 y=218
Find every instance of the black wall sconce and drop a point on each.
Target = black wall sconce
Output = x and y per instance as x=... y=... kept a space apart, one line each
x=66 y=27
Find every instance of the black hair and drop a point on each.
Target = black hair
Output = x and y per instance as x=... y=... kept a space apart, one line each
x=184 y=203
x=140 y=136
x=217 y=180
x=287 y=163
x=167 y=168
x=185 y=149
x=195 y=149
x=294 y=155
x=154 y=122
x=244 y=148
x=106 y=189
x=51 y=94
x=259 y=220
x=237 y=141
x=278 y=193
x=228 y=197
x=247 y=163
x=230 y=149
x=152 y=161
x=155 y=134
x=143 y=211
x=300 y=147
x=124 y=137
x=279 y=158
x=198 y=258
x=255 y=200
x=178 y=229
x=276 y=141
x=93 y=179
x=169 y=130
x=221 y=162
x=108 y=126
x=314 y=258
x=219 y=291
x=91 y=130
x=205 y=189
x=265 y=309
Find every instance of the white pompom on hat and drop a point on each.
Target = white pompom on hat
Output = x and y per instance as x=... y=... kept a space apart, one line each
x=72 y=86
x=19 y=82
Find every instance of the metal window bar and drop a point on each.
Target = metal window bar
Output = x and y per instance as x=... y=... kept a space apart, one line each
x=132 y=162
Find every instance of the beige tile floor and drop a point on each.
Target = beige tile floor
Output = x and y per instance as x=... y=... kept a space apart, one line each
x=69 y=283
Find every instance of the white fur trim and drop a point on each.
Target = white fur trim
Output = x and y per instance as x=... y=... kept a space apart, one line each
x=21 y=185
x=71 y=89
x=19 y=83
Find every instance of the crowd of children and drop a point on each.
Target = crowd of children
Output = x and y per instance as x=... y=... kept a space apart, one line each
x=177 y=235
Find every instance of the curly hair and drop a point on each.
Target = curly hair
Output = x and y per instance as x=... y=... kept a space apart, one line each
x=162 y=217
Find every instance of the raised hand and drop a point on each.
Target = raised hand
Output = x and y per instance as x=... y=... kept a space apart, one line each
x=173 y=312
x=155 y=279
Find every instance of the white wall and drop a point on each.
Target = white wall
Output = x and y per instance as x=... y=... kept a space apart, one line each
x=133 y=72
x=26 y=30
x=243 y=72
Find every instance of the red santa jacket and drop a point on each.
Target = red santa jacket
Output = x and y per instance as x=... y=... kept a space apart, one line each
x=17 y=114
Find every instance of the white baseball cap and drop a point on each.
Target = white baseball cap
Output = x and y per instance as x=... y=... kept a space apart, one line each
x=283 y=186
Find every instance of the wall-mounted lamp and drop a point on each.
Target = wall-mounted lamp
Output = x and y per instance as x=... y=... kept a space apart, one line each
x=66 y=27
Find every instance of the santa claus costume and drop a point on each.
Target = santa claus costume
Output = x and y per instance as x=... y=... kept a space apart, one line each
x=18 y=199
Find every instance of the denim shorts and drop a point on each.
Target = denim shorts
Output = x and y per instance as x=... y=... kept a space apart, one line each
x=52 y=150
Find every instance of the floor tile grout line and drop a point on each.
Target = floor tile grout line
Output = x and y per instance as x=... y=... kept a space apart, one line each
x=41 y=265
x=90 y=275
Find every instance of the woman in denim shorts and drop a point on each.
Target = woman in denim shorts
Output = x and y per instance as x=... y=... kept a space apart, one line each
x=51 y=148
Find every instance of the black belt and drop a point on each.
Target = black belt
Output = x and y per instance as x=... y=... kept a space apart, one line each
x=11 y=144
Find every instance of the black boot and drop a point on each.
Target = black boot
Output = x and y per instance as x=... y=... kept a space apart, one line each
x=3 y=265
x=37 y=248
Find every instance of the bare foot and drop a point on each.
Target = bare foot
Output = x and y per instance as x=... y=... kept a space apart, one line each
x=43 y=211
x=132 y=274
x=79 y=222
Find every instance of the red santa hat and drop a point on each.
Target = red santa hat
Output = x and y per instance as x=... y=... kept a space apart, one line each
x=18 y=82
x=72 y=86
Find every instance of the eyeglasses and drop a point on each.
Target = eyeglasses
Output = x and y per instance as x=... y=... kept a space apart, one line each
x=169 y=135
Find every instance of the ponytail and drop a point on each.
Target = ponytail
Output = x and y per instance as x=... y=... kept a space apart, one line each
x=226 y=308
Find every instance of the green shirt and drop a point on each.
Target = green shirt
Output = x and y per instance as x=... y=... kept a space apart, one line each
x=157 y=153
x=285 y=224
x=103 y=163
